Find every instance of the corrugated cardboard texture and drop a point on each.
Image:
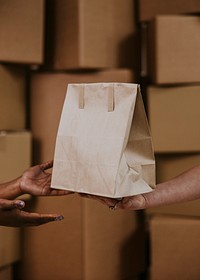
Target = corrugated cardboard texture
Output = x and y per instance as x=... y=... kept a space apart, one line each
x=169 y=166
x=93 y=34
x=175 y=56
x=21 y=31
x=12 y=97
x=174 y=118
x=175 y=248
x=150 y=9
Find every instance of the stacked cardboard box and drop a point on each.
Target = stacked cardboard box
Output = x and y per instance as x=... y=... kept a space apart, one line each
x=21 y=31
x=149 y=10
x=91 y=243
x=171 y=64
x=12 y=91
x=174 y=229
x=21 y=42
x=15 y=157
x=174 y=118
x=92 y=34
x=175 y=248
x=174 y=44
x=15 y=151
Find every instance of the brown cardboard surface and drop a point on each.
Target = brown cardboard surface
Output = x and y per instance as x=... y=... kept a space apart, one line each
x=175 y=248
x=12 y=97
x=6 y=273
x=169 y=166
x=92 y=242
x=121 y=251
x=150 y=9
x=15 y=157
x=10 y=250
x=173 y=45
x=21 y=31
x=93 y=34
x=15 y=154
x=48 y=92
x=174 y=118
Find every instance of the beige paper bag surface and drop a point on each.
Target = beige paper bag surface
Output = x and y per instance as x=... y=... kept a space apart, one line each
x=103 y=144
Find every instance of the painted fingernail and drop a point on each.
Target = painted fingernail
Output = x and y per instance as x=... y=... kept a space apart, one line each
x=21 y=204
x=59 y=218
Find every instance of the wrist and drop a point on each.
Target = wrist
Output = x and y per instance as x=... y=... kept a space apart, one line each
x=18 y=186
x=12 y=189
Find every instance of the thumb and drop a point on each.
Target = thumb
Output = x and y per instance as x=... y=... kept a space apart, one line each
x=46 y=165
x=132 y=203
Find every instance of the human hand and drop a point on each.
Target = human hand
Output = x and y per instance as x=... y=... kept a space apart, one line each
x=12 y=215
x=127 y=203
x=182 y=188
x=136 y=202
x=36 y=181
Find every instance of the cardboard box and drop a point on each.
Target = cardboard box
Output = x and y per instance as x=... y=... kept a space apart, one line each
x=174 y=118
x=91 y=243
x=48 y=92
x=175 y=248
x=15 y=157
x=21 y=31
x=92 y=34
x=174 y=44
x=12 y=98
x=10 y=251
x=150 y=9
x=6 y=273
x=15 y=154
x=167 y=167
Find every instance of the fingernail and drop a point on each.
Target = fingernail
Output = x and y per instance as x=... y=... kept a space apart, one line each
x=59 y=218
x=21 y=204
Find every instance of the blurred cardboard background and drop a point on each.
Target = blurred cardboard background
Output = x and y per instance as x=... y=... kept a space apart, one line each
x=44 y=45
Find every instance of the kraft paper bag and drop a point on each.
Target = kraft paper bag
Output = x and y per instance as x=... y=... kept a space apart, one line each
x=103 y=145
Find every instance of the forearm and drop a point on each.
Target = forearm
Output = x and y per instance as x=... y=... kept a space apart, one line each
x=185 y=187
x=10 y=190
